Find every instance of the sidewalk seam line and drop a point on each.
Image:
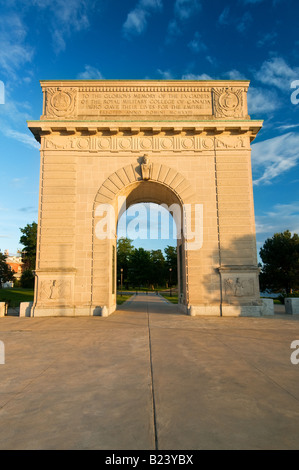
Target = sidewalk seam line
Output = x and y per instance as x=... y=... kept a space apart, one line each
x=152 y=380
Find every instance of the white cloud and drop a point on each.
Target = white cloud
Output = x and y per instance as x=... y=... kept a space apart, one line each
x=151 y=4
x=280 y=218
x=18 y=182
x=15 y=53
x=166 y=74
x=137 y=19
x=90 y=73
x=227 y=17
x=13 y=57
x=273 y=157
x=14 y=111
x=267 y=39
x=224 y=17
x=64 y=18
x=173 y=30
x=193 y=76
x=246 y=2
x=136 y=22
x=262 y=101
x=26 y=139
x=230 y=75
x=276 y=72
x=234 y=75
x=13 y=114
x=13 y=26
x=185 y=9
x=244 y=22
x=197 y=45
x=212 y=60
x=286 y=127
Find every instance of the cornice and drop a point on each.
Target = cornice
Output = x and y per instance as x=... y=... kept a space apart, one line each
x=88 y=128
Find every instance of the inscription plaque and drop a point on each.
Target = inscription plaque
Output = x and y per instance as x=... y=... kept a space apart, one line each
x=170 y=101
x=144 y=103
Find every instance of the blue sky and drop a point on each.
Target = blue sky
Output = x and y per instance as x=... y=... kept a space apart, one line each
x=256 y=40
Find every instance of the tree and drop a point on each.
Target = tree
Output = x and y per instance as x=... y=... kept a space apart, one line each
x=171 y=263
x=124 y=251
x=157 y=267
x=27 y=279
x=6 y=273
x=145 y=268
x=280 y=257
x=140 y=267
x=29 y=241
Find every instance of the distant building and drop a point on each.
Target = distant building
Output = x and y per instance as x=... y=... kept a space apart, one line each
x=15 y=262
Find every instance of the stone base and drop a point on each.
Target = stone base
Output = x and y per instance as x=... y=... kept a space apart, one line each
x=267 y=307
x=26 y=309
x=53 y=311
x=292 y=305
x=241 y=310
x=2 y=309
x=225 y=310
x=78 y=311
x=204 y=310
x=103 y=311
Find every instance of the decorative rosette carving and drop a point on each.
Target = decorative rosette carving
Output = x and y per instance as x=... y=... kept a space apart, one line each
x=60 y=103
x=228 y=102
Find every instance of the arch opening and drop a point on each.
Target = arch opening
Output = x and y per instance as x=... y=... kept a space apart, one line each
x=144 y=212
x=147 y=252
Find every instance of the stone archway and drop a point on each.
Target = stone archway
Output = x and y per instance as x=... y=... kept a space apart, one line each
x=185 y=141
x=162 y=185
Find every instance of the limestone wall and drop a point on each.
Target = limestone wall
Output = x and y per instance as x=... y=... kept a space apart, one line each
x=196 y=137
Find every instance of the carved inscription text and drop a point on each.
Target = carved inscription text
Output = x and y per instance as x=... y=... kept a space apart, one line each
x=144 y=103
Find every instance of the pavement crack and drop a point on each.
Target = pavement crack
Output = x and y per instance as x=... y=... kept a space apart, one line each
x=15 y=395
x=259 y=370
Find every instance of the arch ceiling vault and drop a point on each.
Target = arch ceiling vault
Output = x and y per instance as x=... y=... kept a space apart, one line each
x=177 y=142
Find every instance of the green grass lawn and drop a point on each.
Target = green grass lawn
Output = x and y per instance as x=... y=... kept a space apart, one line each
x=120 y=299
x=173 y=299
x=16 y=295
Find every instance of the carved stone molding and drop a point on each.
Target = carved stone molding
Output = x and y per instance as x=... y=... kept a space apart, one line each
x=60 y=102
x=54 y=290
x=228 y=102
x=176 y=99
x=129 y=174
x=231 y=142
x=146 y=168
x=239 y=283
x=144 y=143
x=238 y=287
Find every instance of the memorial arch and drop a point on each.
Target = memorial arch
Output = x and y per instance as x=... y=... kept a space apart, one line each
x=185 y=144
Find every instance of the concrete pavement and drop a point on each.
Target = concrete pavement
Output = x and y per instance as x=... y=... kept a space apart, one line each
x=148 y=377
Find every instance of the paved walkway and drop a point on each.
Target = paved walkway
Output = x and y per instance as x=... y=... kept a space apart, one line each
x=148 y=377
